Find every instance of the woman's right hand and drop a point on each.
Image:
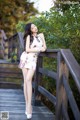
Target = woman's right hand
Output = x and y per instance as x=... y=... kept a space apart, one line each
x=43 y=49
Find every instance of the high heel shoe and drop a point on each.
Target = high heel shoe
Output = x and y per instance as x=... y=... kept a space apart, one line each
x=29 y=116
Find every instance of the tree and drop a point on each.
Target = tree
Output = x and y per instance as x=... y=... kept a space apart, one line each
x=61 y=30
x=65 y=4
x=11 y=11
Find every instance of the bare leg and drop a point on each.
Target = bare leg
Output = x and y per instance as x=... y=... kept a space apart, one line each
x=24 y=70
x=29 y=77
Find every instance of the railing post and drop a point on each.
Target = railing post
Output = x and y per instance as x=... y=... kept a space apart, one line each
x=20 y=50
x=37 y=79
x=61 y=97
x=21 y=42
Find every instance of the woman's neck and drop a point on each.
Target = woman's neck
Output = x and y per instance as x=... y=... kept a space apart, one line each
x=34 y=34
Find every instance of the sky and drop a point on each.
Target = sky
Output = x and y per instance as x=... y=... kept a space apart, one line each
x=42 y=5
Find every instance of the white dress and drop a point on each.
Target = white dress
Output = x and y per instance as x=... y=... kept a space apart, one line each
x=29 y=59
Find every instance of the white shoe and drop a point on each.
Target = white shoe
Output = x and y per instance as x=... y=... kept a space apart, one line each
x=29 y=116
x=25 y=112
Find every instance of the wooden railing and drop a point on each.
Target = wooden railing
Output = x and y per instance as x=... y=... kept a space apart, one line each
x=66 y=64
x=2 y=48
x=14 y=47
x=10 y=74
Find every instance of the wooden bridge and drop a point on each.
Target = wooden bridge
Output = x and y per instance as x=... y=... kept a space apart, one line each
x=11 y=83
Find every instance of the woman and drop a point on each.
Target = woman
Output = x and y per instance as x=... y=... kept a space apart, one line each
x=33 y=44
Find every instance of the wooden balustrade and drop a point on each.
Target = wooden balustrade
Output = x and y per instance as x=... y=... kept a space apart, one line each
x=14 y=46
x=66 y=64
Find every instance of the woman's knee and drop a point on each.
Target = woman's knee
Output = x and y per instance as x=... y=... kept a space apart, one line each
x=29 y=76
x=28 y=80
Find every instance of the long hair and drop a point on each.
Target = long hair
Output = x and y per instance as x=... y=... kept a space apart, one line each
x=26 y=33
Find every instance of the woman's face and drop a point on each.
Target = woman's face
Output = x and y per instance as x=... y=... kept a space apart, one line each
x=34 y=28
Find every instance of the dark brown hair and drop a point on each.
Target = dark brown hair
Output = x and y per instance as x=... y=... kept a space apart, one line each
x=28 y=32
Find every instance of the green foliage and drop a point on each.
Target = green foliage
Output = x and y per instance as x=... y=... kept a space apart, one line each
x=65 y=4
x=20 y=26
x=11 y=11
x=60 y=29
x=75 y=47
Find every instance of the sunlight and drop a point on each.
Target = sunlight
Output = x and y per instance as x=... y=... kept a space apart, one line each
x=43 y=5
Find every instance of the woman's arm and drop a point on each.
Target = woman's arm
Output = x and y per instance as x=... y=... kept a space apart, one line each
x=28 y=49
x=44 y=43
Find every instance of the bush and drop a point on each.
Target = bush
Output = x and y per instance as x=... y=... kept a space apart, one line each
x=75 y=48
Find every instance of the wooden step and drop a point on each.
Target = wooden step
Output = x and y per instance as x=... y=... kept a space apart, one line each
x=10 y=75
x=10 y=85
x=7 y=67
x=11 y=80
x=6 y=63
x=9 y=72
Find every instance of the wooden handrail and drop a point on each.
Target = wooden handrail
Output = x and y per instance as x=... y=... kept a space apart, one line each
x=48 y=73
x=72 y=65
x=2 y=48
x=10 y=38
x=65 y=63
x=14 y=44
x=71 y=99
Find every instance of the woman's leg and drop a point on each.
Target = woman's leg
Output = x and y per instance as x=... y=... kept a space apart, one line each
x=29 y=77
x=24 y=71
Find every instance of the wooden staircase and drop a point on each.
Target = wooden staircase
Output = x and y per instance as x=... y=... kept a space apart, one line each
x=10 y=75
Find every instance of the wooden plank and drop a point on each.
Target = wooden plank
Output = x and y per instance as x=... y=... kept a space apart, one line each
x=37 y=80
x=20 y=35
x=13 y=70
x=10 y=75
x=14 y=80
x=47 y=94
x=74 y=67
x=4 y=64
x=71 y=99
x=48 y=73
x=11 y=37
x=61 y=96
x=65 y=113
x=52 y=53
x=10 y=68
x=3 y=61
x=10 y=85
x=53 y=50
x=48 y=54
x=11 y=91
